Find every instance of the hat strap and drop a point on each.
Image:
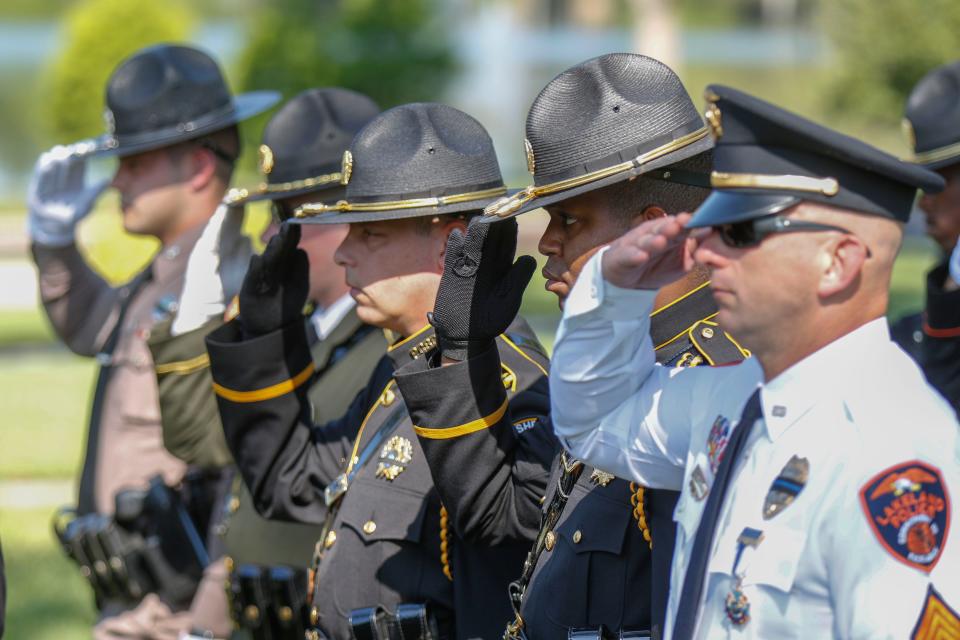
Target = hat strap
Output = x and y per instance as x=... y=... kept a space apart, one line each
x=808 y=184
x=506 y=206
x=936 y=155
x=315 y=209
x=239 y=195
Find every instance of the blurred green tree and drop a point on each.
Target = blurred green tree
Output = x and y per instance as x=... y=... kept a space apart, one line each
x=883 y=49
x=395 y=51
x=97 y=36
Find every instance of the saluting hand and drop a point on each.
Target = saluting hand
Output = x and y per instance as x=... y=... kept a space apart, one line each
x=650 y=255
x=276 y=286
x=481 y=288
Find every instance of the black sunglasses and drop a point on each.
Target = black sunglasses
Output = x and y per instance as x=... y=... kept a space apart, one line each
x=750 y=233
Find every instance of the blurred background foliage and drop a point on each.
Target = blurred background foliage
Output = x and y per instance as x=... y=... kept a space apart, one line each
x=848 y=63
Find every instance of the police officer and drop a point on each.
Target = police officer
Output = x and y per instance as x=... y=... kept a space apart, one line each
x=390 y=563
x=172 y=123
x=807 y=508
x=932 y=123
x=611 y=142
x=300 y=160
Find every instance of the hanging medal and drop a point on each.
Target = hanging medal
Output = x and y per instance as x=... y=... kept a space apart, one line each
x=737 y=605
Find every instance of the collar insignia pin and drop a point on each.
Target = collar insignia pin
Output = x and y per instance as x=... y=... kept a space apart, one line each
x=602 y=478
x=394 y=458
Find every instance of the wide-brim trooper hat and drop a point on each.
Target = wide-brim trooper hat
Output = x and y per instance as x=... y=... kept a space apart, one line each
x=167 y=94
x=603 y=121
x=932 y=119
x=767 y=159
x=303 y=144
x=420 y=159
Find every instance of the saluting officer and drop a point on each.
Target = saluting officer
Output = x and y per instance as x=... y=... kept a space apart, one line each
x=932 y=123
x=172 y=123
x=300 y=161
x=816 y=476
x=389 y=562
x=611 y=142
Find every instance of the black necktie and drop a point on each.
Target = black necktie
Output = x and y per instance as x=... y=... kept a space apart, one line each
x=697 y=566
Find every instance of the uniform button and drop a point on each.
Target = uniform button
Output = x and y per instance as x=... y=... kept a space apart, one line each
x=234 y=504
x=314 y=616
x=577 y=536
x=251 y=613
x=707 y=332
x=228 y=563
x=285 y=614
x=550 y=540
x=331 y=538
x=543 y=499
x=369 y=527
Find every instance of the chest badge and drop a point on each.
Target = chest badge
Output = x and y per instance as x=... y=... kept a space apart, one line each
x=698 y=484
x=717 y=441
x=786 y=487
x=394 y=458
x=908 y=508
x=601 y=478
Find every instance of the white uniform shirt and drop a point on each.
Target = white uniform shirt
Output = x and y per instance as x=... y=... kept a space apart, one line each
x=855 y=414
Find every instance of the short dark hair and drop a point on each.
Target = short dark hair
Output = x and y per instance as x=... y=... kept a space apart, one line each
x=629 y=198
x=223 y=144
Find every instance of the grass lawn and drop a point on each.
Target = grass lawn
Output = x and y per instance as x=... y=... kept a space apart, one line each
x=47 y=599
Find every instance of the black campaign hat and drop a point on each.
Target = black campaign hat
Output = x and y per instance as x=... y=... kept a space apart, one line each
x=414 y=160
x=167 y=94
x=304 y=141
x=603 y=121
x=767 y=159
x=932 y=118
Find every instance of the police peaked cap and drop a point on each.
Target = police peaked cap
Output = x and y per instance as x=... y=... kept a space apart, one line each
x=603 y=121
x=167 y=94
x=303 y=144
x=414 y=160
x=932 y=119
x=767 y=159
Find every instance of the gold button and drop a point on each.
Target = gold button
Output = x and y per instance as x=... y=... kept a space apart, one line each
x=577 y=536
x=251 y=613
x=331 y=538
x=388 y=397
x=543 y=499
x=369 y=527
x=707 y=332
x=234 y=504
x=550 y=540
x=285 y=614
x=228 y=563
x=314 y=616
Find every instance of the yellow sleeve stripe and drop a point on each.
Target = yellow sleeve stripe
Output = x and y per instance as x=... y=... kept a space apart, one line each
x=183 y=367
x=454 y=432
x=267 y=393
x=524 y=355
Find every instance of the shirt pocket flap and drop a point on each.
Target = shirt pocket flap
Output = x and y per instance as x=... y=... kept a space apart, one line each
x=596 y=523
x=774 y=562
x=383 y=512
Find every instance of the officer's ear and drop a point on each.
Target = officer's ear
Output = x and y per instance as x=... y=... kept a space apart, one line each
x=445 y=226
x=651 y=212
x=841 y=262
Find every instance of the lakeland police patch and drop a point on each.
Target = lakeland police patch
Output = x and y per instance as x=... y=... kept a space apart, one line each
x=908 y=509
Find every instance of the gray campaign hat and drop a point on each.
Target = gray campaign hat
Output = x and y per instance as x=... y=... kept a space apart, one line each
x=603 y=121
x=414 y=160
x=303 y=144
x=932 y=118
x=167 y=94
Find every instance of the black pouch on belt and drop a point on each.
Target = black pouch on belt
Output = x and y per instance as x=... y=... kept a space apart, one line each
x=288 y=596
x=369 y=623
x=251 y=601
x=602 y=633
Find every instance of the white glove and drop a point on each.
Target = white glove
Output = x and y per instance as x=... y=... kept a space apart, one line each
x=57 y=198
x=202 y=296
x=954 y=265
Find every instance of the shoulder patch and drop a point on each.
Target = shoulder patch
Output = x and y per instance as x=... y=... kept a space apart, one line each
x=908 y=508
x=937 y=621
x=522 y=426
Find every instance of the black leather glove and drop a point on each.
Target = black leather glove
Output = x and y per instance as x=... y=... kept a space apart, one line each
x=276 y=286
x=481 y=288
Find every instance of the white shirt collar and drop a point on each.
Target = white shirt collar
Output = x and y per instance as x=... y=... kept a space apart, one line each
x=786 y=398
x=325 y=320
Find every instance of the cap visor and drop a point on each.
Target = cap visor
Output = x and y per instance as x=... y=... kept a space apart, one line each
x=724 y=207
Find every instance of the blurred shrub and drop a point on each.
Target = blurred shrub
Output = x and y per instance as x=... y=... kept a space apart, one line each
x=97 y=36
x=884 y=48
x=395 y=51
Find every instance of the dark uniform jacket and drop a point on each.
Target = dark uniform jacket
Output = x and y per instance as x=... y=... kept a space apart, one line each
x=933 y=337
x=597 y=567
x=392 y=541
